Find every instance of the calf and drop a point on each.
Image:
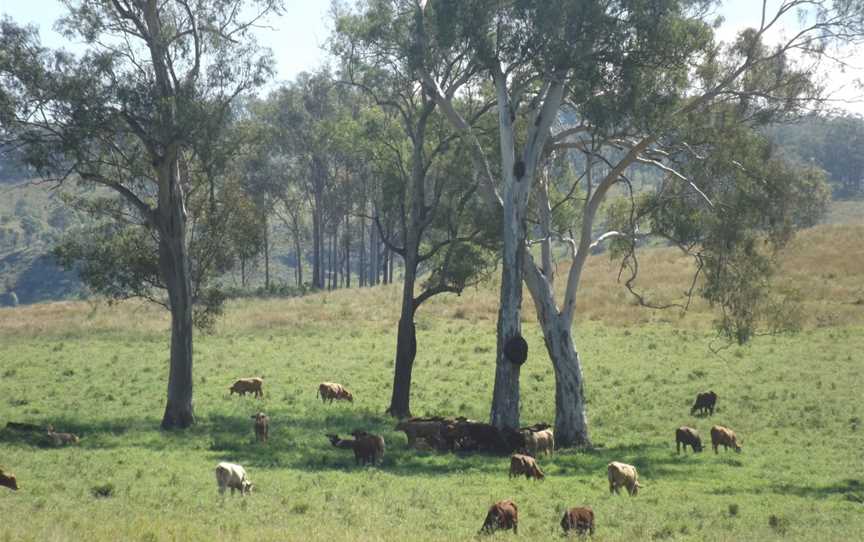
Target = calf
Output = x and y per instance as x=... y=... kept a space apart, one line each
x=247 y=385
x=501 y=515
x=368 y=448
x=334 y=392
x=7 y=479
x=704 y=403
x=61 y=439
x=687 y=436
x=622 y=474
x=580 y=519
x=262 y=426
x=726 y=437
x=525 y=464
x=233 y=476
x=345 y=444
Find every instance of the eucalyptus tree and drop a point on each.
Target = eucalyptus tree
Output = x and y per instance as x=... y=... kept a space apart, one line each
x=154 y=84
x=440 y=227
x=632 y=75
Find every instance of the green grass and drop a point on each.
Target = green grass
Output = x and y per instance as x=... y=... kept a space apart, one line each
x=795 y=402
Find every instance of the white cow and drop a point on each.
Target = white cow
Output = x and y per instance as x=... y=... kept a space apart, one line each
x=233 y=476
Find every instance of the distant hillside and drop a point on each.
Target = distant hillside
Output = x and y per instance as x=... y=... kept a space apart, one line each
x=32 y=220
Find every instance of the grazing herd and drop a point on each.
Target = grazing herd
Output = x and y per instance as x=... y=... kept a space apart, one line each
x=447 y=435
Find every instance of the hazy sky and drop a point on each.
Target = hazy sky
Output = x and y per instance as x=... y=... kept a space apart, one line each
x=297 y=37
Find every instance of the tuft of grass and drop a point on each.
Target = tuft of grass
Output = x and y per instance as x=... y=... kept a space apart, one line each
x=102 y=491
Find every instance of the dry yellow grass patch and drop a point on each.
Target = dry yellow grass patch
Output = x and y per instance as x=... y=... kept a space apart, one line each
x=823 y=267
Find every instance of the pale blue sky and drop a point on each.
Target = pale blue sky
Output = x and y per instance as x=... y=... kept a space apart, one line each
x=296 y=38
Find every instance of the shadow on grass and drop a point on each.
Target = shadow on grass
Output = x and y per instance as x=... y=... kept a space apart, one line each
x=851 y=488
x=298 y=442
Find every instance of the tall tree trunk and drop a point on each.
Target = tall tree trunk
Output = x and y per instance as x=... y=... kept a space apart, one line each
x=406 y=349
x=266 y=253
x=317 y=246
x=347 y=252
x=361 y=275
x=571 y=420
x=505 y=395
x=386 y=264
x=174 y=267
x=374 y=248
x=298 y=249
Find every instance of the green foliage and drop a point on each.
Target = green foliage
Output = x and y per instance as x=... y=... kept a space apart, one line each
x=116 y=261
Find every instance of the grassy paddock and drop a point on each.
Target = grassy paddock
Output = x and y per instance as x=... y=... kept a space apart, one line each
x=100 y=371
x=795 y=401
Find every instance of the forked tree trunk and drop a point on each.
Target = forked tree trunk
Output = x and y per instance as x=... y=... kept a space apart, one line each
x=174 y=267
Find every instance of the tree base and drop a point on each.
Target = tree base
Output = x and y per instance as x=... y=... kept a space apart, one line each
x=177 y=419
x=398 y=413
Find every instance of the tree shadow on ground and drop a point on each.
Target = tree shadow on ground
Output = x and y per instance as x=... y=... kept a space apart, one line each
x=851 y=488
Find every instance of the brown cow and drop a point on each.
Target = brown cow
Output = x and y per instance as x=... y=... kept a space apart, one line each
x=333 y=391
x=368 y=448
x=704 y=403
x=430 y=429
x=248 y=385
x=7 y=479
x=537 y=441
x=622 y=474
x=580 y=519
x=501 y=515
x=61 y=439
x=262 y=426
x=525 y=464
x=687 y=436
x=726 y=437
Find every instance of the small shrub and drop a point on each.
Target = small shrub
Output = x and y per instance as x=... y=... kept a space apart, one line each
x=300 y=508
x=777 y=523
x=733 y=509
x=103 y=491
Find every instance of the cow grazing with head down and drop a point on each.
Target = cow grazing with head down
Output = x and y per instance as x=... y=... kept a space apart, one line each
x=704 y=403
x=262 y=427
x=7 y=479
x=579 y=519
x=622 y=474
x=687 y=436
x=334 y=392
x=724 y=436
x=501 y=515
x=248 y=385
x=229 y=475
x=368 y=448
x=527 y=465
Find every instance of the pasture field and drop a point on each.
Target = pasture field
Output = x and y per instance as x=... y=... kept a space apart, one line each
x=100 y=371
x=795 y=401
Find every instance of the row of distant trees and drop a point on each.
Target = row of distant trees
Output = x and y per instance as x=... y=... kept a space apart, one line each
x=456 y=135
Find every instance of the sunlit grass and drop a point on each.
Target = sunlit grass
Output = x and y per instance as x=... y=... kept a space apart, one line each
x=100 y=371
